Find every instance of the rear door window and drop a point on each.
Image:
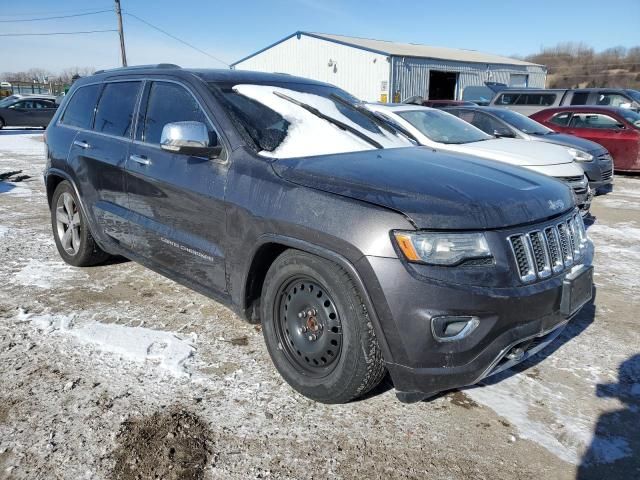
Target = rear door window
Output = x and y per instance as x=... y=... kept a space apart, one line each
x=79 y=111
x=44 y=104
x=115 y=109
x=169 y=102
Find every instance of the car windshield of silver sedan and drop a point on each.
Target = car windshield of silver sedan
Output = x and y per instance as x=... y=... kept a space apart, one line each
x=300 y=120
x=443 y=127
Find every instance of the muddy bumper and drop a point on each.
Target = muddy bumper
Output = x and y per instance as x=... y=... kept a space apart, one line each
x=504 y=325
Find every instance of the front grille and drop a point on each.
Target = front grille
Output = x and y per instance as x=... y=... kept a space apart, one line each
x=578 y=184
x=551 y=249
x=572 y=179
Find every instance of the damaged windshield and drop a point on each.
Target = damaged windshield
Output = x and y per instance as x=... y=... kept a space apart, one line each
x=295 y=119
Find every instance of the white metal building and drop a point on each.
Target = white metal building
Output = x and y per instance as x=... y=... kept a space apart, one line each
x=378 y=70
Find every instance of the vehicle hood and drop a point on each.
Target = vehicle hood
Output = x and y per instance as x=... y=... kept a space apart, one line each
x=434 y=189
x=515 y=152
x=572 y=169
x=583 y=144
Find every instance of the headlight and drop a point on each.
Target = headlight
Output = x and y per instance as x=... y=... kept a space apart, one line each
x=438 y=248
x=580 y=155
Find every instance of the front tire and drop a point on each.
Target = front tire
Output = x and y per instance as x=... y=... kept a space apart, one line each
x=317 y=329
x=73 y=239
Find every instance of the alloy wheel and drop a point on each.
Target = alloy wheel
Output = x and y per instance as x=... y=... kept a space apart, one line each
x=68 y=223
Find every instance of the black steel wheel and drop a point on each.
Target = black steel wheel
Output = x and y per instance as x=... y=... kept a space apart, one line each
x=308 y=326
x=317 y=329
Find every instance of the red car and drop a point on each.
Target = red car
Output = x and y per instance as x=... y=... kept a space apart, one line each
x=616 y=129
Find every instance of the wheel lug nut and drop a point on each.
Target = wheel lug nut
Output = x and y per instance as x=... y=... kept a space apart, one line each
x=301 y=314
x=312 y=337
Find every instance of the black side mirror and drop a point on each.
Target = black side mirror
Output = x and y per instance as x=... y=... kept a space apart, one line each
x=503 y=133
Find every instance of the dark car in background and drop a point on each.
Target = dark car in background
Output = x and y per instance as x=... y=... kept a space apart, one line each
x=27 y=111
x=287 y=200
x=499 y=122
x=616 y=129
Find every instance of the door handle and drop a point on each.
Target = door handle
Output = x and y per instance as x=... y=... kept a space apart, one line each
x=140 y=159
x=81 y=144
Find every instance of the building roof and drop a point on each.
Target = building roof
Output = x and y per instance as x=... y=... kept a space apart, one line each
x=398 y=49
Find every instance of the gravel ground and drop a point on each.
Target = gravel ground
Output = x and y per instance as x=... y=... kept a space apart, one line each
x=116 y=372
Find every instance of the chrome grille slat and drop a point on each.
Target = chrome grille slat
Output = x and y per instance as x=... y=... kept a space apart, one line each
x=554 y=248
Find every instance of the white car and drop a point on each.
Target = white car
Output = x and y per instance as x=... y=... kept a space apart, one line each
x=443 y=131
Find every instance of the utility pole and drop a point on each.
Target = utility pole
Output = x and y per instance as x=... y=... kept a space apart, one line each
x=121 y=31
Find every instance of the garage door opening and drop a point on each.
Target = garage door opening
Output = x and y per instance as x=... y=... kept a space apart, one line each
x=442 y=85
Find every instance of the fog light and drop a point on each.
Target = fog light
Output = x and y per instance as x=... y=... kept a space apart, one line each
x=451 y=328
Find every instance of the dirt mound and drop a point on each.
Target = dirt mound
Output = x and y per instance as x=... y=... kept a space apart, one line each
x=170 y=445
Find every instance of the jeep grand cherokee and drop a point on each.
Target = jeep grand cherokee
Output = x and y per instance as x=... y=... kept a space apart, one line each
x=285 y=199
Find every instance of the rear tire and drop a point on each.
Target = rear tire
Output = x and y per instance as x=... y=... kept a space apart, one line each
x=317 y=329
x=71 y=233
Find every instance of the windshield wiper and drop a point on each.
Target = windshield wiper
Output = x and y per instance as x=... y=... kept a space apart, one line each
x=337 y=123
x=378 y=120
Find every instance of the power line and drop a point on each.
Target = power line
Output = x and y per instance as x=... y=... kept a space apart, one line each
x=176 y=38
x=53 y=33
x=54 y=12
x=56 y=17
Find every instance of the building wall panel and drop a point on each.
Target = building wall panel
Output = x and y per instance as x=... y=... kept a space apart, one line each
x=411 y=75
x=359 y=72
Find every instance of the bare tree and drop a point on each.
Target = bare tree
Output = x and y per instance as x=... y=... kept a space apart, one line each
x=575 y=64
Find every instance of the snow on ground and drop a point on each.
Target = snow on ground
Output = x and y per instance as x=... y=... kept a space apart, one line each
x=616 y=245
x=164 y=349
x=45 y=274
x=85 y=350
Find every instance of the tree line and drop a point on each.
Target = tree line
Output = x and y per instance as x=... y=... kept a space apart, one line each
x=577 y=65
x=41 y=75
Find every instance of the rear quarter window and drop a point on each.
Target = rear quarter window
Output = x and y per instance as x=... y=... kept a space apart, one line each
x=79 y=111
x=545 y=99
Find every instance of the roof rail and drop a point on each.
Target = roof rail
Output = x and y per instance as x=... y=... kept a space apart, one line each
x=138 y=67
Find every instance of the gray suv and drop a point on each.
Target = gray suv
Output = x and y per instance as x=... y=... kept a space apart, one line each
x=286 y=200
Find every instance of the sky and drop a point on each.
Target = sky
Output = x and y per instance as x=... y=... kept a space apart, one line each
x=230 y=30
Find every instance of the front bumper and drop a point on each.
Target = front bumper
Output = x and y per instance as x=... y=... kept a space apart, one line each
x=600 y=173
x=422 y=366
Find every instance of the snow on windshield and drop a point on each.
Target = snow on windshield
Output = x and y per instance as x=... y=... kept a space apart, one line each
x=310 y=135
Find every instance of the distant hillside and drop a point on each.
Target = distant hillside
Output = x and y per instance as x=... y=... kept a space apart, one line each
x=578 y=65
